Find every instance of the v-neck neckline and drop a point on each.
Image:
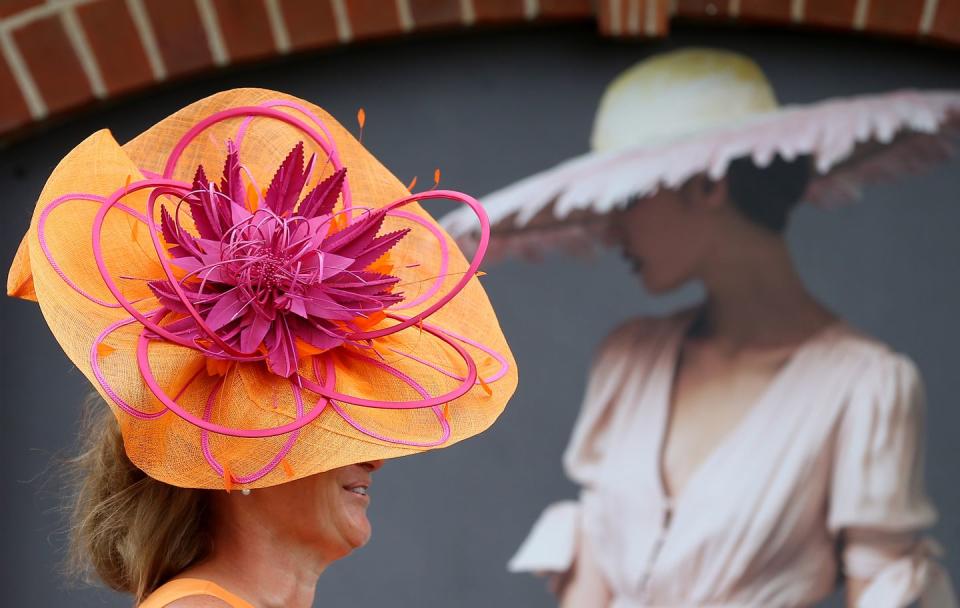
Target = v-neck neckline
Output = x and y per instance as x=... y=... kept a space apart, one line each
x=671 y=361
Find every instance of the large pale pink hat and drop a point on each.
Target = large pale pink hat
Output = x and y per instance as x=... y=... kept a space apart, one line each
x=693 y=111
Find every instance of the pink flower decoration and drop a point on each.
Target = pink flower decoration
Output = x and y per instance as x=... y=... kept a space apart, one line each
x=267 y=274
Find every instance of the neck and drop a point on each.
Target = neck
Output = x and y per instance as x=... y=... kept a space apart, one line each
x=265 y=568
x=756 y=297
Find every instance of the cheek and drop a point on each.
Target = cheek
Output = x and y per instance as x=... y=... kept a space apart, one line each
x=663 y=241
x=654 y=225
x=670 y=253
x=349 y=517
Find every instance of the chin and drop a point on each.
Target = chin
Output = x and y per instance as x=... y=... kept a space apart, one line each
x=358 y=532
x=361 y=535
x=345 y=542
x=347 y=529
x=354 y=542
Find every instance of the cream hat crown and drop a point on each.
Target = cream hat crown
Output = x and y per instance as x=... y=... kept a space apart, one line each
x=679 y=93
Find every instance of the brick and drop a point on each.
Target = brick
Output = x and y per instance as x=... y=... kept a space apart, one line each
x=700 y=9
x=499 y=11
x=946 y=23
x=605 y=18
x=116 y=45
x=373 y=18
x=770 y=11
x=180 y=35
x=830 y=13
x=53 y=64
x=246 y=29
x=894 y=17
x=310 y=23
x=566 y=9
x=632 y=18
x=13 y=108
x=12 y=7
x=661 y=15
x=436 y=13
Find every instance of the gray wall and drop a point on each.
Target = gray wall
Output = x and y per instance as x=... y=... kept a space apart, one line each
x=491 y=107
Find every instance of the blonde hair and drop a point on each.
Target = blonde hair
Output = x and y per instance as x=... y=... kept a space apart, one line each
x=127 y=529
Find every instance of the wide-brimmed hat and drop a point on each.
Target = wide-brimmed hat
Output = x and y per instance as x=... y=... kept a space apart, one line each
x=259 y=299
x=694 y=111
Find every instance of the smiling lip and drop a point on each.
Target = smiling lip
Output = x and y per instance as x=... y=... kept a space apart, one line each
x=359 y=489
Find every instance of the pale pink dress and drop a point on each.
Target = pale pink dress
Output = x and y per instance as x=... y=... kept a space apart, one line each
x=822 y=478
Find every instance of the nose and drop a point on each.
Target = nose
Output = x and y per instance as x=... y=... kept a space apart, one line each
x=372 y=465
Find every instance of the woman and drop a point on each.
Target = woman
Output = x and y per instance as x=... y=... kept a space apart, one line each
x=264 y=338
x=745 y=452
x=269 y=547
x=755 y=451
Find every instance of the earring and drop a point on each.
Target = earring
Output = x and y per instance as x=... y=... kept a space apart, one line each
x=245 y=491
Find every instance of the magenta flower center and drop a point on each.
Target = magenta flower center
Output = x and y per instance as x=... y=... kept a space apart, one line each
x=275 y=278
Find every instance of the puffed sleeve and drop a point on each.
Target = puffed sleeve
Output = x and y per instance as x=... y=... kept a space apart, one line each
x=551 y=545
x=878 y=505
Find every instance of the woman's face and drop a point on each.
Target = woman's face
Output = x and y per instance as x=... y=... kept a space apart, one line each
x=666 y=237
x=327 y=511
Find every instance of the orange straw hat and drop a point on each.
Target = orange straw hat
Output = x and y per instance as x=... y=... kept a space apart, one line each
x=258 y=299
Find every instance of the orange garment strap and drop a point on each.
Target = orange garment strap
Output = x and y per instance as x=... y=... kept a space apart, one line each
x=187 y=587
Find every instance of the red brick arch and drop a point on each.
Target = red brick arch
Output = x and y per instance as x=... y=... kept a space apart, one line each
x=59 y=55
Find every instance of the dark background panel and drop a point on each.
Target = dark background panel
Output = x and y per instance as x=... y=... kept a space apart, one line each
x=488 y=108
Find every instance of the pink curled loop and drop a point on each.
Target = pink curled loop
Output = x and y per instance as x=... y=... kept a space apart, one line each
x=444 y=423
x=471 y=271
x=275 y=461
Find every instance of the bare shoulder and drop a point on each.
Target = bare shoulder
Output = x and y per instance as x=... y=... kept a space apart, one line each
x=198 y=601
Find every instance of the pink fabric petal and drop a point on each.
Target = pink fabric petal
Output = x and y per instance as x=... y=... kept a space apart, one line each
x=320 y=304
x=281 y=350
x=288 y=181
x=231 y=183
x=321 y=200
x=169 y=298
x=356 y=237
x=182 y=242
x=367 y=283
x=228 y=307
x=200 y=218
x=254 y=332
x=316 y=335
x=334 y=264
x=377 y=248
